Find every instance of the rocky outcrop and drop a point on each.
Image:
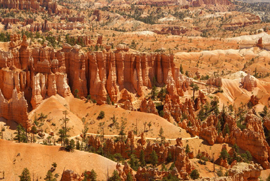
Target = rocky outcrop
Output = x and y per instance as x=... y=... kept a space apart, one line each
x=254 y=138
x=215 y=82
x=41 y=72
x=208 y=130
x=174 y=30
x=69 y=175
x=183 y=165
x=30 y=5
x=249 y=82
x=211 y=2
x=260 y=43
x=254 y=100
x=148 y=107
x=185 y=2
x=245 y=171
x=15 y=108
x=47 y=26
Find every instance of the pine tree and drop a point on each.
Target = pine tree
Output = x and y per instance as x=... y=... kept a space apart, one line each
x=169 y=158
x=77 y=145
x=162 y=138
x=142 y=158
x=218 y=127
x=187 y=149
x=93 y=176
x=226 y=130
x=72 y=145
x=49 y=176
x=181 y=69
x=115 y=176
x=25 y=176
x=154 y=158
x=129 y=177
x=20 y=134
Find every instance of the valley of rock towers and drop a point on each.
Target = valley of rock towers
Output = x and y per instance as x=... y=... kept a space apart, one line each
x=134 y=90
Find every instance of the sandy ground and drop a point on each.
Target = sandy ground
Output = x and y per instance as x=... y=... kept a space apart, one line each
x=77 y=109
x=38 y=159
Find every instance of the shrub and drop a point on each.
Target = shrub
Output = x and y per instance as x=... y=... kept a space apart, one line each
x=224 y=155
x=25 y=176
x=194 y=174
x=101 y=115
x=161 y=113
x=220 y=173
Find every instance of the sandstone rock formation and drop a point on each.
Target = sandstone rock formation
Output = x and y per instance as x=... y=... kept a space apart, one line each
x=29 y=76
x=249 y=82
x=260 y=43
x=30 y=4
x=183 y=165
x=244 y=171
x=69 y=175
x=254 y=100
x=41 y=72
x=15 y=109
x=215 y=82
x=148 y=107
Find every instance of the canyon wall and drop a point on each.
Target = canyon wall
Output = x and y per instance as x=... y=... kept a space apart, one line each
x=40 y=72
x=49 y=5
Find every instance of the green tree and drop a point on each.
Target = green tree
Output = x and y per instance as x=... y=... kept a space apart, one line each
x=78 y=146
x=76 y=93
x=63 y=132
x=169 y=158
x=20 y=134
x=236 y=148
x=101 y=115
x=154 y=158
x=195 y=88
x=161 y=135
x=218 y=127
x=122 y=129
x=142 y=158
x=194 y=174
x=93 y=176
x=133 y=162
x=224 y=155
x=108 y=99
x=181 y=69
x=115 y=176
x=187 y=149
x=84 y=131
x=72 y=144
x=226 y=130
x=249 y=156
x=129 y=177
x=154 y=92
x=54 y=164
x=49 y=176
x=25 y=176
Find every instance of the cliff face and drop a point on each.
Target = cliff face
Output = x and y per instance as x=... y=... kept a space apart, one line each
x=211 y=2
x=30 y=4
x=41 y=72
x=185 y=2
x=27 y=76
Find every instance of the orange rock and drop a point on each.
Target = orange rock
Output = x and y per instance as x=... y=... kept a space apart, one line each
x=249 y=82
x=148 y=106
